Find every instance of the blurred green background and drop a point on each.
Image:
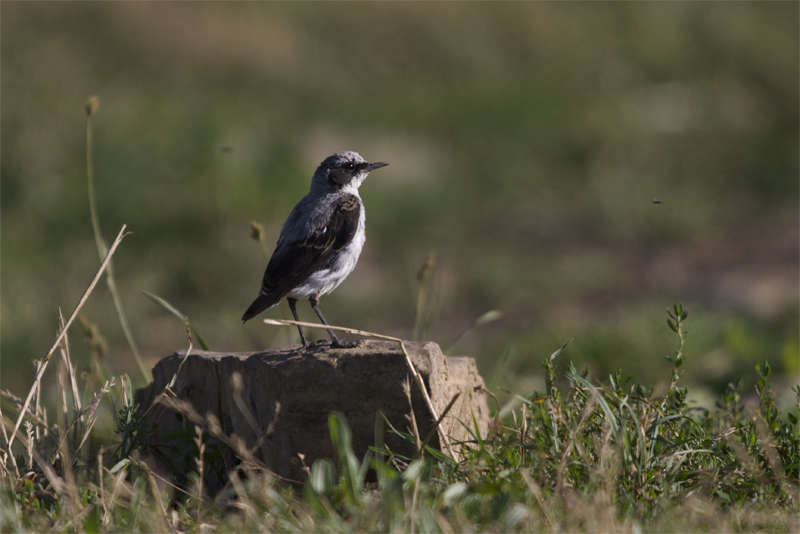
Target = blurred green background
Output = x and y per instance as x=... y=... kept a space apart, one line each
x=527 y=143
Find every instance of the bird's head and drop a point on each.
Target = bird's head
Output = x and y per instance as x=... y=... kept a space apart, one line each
x=343 y=170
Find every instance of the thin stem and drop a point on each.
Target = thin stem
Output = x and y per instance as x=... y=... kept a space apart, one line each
x=91 y=107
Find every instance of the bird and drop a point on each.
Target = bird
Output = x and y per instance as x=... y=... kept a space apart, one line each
x=320 y=242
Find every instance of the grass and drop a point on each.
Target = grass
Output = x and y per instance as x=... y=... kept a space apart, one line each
x=591 y=455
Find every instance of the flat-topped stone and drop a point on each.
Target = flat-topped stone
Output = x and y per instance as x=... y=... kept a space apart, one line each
x=278 y=402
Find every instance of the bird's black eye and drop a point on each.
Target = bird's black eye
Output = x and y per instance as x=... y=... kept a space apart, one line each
x=349 y=166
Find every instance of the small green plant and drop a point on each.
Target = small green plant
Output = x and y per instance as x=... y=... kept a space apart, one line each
x=640 y=455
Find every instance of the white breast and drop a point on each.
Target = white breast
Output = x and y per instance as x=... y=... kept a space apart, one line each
x=324 y=281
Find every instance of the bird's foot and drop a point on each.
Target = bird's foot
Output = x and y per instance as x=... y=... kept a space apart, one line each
x=315 y=346
x=342 y=344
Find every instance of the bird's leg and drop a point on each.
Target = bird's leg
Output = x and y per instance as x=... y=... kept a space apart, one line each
x=292 y=304
x=314 y=300
x=335 y=341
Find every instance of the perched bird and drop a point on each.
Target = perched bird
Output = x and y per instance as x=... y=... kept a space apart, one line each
x=320 y=241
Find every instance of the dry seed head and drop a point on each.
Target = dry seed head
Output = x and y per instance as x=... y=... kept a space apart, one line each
x=256 y=230
x=91 y=105
x=427 y=268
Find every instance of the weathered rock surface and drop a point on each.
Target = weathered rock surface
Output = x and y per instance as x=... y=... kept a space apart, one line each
x=278 y=403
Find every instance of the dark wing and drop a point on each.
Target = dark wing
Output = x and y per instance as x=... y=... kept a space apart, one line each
x=293 y=262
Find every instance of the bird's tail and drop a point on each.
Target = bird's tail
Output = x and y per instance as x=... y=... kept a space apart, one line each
x=262 y=302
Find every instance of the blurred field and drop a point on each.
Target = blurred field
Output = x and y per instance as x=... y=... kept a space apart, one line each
x=527 y=143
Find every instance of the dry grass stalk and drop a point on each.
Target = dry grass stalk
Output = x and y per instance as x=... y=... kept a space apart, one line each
x=538 y=495
x=34 y=417
x=261 y=436
x=37 y=403
x=91 y=407
x=4 y=454
x=243 y=500
x=441 y=418
x=76 y=398
x=201 y=450
x=106 y=517
x=237 y=383
x=151 y=477
x=72 y=493
x=411 y=417
x=587 y=411
x=65 y=368
x=119 y=483
x=29 y=433
x=40 y=373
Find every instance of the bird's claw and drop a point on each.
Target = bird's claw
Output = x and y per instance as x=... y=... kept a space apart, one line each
x=342 y=344
x=315 y=346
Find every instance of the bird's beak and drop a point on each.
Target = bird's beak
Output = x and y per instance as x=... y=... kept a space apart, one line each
x=377 y=165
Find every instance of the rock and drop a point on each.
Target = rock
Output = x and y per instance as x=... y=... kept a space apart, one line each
x=276 y=403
